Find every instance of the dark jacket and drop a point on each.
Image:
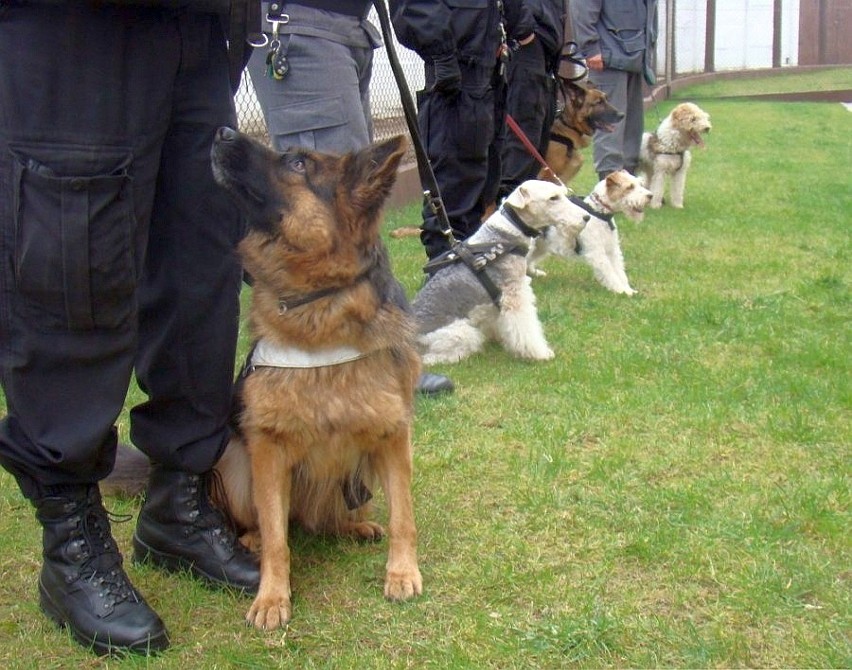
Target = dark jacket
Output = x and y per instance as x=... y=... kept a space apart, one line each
x=549 y=18
x=623 y=32
x=466 y=29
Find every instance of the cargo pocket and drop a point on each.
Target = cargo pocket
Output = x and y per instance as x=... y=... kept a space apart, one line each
x=75 y=266
x=474 y=123
x=630 y=53
x=297 y=124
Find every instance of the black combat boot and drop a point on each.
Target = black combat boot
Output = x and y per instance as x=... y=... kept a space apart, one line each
x=431 y=383
x=82 y=583
x=179 y=529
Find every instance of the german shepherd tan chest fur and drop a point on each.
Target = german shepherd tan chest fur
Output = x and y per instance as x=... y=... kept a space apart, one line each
x=328 y=413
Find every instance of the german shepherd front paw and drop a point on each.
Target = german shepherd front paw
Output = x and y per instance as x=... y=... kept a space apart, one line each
x=403 y=585
x=269 y=613
x=363 y=530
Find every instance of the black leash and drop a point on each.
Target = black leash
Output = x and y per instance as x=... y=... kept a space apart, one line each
x=427 y=177
x=431 y=192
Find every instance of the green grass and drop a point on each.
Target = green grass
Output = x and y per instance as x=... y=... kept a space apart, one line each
x=671 y=491
x=789 y=81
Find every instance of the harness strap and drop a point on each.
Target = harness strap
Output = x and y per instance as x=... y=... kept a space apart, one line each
x=476 y=258
x=560 y=139
x=655 y=139
x=582 y=204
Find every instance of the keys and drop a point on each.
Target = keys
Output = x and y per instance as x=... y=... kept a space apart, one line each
x=277 y=64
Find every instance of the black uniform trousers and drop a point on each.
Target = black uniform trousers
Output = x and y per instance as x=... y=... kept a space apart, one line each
x=116 y=245
x=463 y=134
x=531 y=101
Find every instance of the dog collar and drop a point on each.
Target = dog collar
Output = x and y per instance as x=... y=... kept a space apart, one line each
x=286 y=303
x=512 y=215
x=603 y=216
x=268 y=354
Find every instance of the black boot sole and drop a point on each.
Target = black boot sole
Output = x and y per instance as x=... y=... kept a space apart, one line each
x=151 y=645
x=145 y=554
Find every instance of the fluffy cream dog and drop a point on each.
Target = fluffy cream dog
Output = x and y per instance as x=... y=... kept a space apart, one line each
x=488 y=296
x=665 y=153
x=597 y=243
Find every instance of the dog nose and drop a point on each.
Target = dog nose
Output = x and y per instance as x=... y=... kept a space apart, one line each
x=586 y=218
x=225 y=134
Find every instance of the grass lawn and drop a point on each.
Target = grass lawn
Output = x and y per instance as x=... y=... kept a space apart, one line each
x=787 y=81
x=672 y=490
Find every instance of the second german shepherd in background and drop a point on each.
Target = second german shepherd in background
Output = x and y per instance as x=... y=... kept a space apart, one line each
x=329 y=389
x=586 y=110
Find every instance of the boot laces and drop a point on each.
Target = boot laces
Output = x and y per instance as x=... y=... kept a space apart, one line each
x=207 y=515
x=103 y=565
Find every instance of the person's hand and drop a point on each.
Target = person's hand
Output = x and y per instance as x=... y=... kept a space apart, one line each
x=447 y=76
x=595 y=62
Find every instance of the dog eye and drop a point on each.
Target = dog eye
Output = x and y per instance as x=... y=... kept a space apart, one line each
x=294 y=162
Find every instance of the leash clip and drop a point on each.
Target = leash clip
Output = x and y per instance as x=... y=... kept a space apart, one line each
x=277 y=17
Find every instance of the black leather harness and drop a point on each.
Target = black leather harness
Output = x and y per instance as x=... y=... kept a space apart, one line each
x=476 y=257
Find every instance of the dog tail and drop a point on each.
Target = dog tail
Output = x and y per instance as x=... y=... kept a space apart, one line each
x=129 y=476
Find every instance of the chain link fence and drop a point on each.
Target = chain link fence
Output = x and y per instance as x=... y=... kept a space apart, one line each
x=695 y=36
x=386 y=103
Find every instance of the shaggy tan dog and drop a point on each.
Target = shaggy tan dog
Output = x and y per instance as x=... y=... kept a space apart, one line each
x=665 y=153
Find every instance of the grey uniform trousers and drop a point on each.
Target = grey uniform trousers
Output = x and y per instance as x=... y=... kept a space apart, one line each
x=620 y=148
x=323 y=102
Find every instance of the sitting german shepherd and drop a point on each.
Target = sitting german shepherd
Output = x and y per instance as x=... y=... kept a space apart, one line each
x=327 y=395
x=586 y=110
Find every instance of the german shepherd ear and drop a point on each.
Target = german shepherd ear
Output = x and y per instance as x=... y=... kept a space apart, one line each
x=372 y=172
x=576 y=93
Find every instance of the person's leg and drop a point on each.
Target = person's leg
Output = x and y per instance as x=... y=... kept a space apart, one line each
x=529 y=101
x=634 y=123
x=189 y=295
x=319 y=104
x=609 y=146
x=79 y=149
x=458 y=131
x=189 y=318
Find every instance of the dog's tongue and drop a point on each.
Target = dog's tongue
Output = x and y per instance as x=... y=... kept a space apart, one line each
x=696 y=137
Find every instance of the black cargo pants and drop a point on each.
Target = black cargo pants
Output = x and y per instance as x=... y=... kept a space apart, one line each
x=463 y=134
x=531 y=103
x=116 y=246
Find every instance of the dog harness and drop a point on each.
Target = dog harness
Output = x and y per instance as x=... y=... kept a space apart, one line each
x=266 y=354
x=655 y=140
x=603 y=216
x=477 y=256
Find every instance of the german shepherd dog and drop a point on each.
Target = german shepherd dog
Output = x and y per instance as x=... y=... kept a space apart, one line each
x=586 y=109
x=327 y=396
